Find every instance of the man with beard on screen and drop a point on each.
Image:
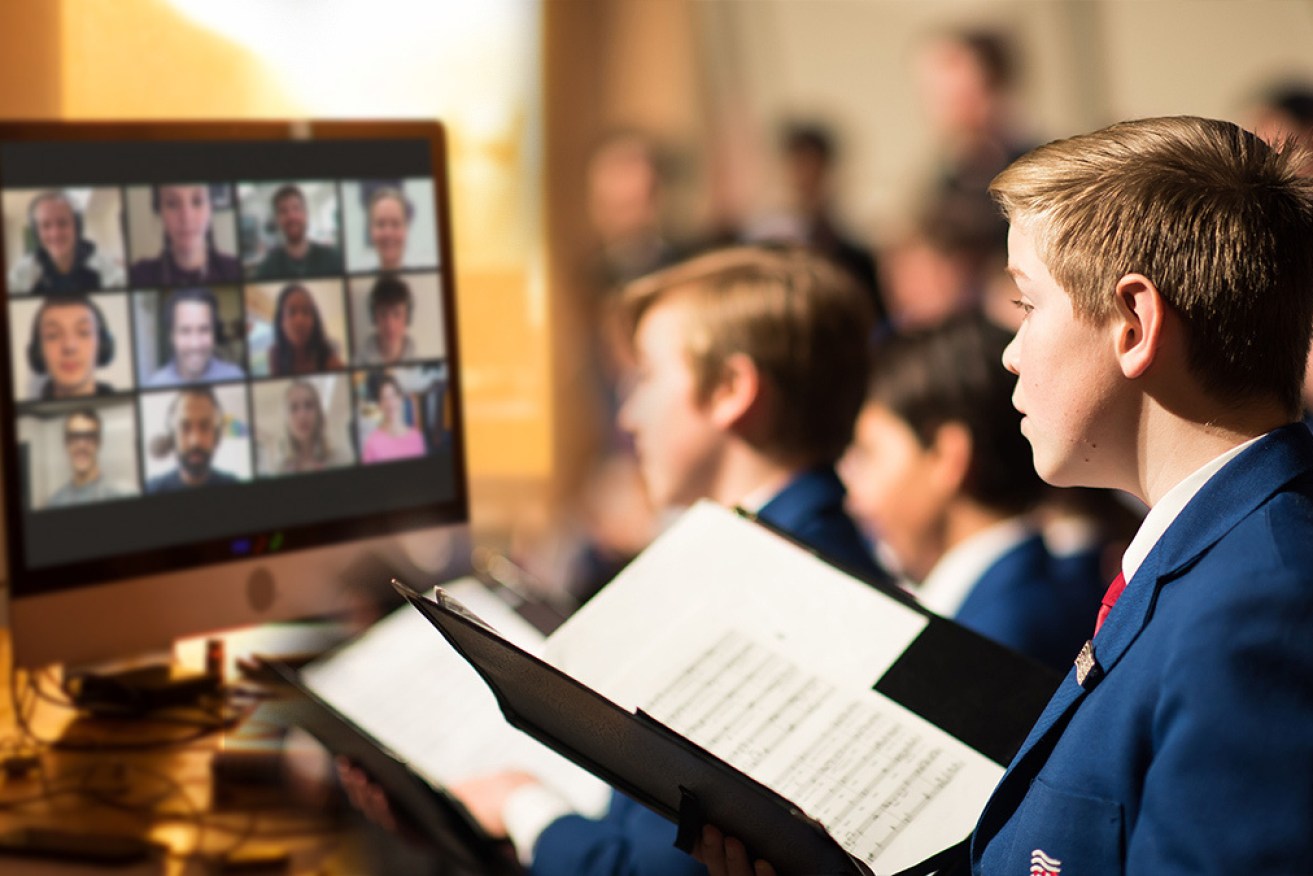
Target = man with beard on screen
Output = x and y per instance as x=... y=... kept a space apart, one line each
x=194 y=329
x=195 y=417
x=299 y=256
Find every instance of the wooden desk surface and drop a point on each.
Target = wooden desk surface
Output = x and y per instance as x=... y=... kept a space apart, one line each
x=113 y=780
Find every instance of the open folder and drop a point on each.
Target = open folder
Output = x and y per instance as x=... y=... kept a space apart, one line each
x=729 y=676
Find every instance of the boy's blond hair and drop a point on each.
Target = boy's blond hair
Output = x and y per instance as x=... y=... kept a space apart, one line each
x=802 y=321
x=1218 y=220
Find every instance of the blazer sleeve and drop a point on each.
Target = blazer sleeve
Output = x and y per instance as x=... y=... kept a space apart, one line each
x=630 y=840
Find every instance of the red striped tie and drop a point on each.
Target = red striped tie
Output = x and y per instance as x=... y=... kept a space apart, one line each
x=1109 y=600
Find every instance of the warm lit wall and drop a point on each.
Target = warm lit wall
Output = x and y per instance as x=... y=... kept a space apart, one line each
x=159 y=59
x=30 y=73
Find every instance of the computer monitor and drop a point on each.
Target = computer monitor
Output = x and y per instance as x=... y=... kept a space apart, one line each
x=229 y=371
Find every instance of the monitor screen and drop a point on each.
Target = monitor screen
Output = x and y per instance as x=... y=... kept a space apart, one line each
x=231 y=364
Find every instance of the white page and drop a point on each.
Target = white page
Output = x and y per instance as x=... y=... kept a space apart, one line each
x=406 y=687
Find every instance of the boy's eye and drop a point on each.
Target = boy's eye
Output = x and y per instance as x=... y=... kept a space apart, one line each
x=1022 y=306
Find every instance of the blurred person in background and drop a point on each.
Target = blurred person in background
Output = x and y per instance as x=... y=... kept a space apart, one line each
x=1286 y=112
x=966 y=79
x=943 y=264
x=624 y=183
x=809 y=156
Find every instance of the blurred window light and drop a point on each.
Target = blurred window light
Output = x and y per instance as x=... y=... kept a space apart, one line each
x=472 y=63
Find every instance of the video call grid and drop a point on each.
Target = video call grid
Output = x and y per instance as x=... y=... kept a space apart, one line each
x=362 y=380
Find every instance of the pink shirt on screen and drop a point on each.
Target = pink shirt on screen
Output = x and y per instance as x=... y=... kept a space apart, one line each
x=381 y=445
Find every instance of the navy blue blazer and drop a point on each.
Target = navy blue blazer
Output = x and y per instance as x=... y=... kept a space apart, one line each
x=632 y=840
x=810 y=509
x=1189 y=749
x=1035 y=604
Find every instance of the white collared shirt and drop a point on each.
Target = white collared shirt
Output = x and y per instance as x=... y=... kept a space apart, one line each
x=951 y=580
x=1169 y=507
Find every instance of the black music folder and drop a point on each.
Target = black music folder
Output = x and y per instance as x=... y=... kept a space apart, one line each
x=729 y=676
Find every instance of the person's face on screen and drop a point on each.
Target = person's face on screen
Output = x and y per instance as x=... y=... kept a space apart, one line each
x=195 y=434
x=69 y=343
x=304 y=419
x=289 y=213
x=675 y=435
x=390 y=322
x=389 y=402
x=56 y=229
x=185 y=211
x=82 y=441
x=387 y=231
x=192 y=338
x=298 y=318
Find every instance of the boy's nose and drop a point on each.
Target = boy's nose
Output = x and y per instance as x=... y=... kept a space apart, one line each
x=1010 y=358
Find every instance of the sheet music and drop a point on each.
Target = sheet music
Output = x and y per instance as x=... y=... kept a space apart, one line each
x=670 y=635
x=405 y=686
x=889 y=786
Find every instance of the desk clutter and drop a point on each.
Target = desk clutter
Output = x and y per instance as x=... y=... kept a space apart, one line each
x=188 y=789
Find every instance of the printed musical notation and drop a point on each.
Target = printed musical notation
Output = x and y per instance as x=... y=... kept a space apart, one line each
x=863 y=766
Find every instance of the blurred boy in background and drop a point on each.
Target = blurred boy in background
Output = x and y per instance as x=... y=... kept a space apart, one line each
x=940 y=472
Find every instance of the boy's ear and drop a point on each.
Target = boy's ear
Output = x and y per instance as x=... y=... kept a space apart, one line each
x=952 y=449
x=736 y=392
x=1139 y=312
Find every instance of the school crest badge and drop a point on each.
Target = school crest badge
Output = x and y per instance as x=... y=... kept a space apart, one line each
x=1042 y=864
